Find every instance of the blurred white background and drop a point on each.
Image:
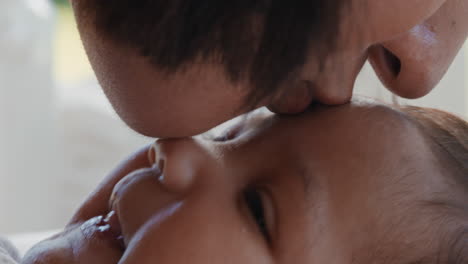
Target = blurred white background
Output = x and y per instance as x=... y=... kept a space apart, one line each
x=58 y=134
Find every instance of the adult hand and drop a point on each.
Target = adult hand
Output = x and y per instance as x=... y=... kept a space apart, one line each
x=89 y=237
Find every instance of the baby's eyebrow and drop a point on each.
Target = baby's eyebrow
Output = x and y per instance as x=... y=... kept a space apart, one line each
x=304 y=172
x=309 y=181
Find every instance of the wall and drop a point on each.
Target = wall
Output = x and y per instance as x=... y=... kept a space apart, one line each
x=30 y=159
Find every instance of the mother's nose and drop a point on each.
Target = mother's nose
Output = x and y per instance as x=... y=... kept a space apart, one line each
x=179 y=161
x=413 y=63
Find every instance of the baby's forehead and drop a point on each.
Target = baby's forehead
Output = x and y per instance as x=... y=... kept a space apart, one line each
x=358 y=117
x=364 y=150
x=400 y=165
x=369 y=114
x=364 y=117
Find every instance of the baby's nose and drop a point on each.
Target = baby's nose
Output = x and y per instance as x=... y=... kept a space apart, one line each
x=178 y=160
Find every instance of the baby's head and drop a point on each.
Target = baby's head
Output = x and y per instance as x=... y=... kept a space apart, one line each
x=359 y=183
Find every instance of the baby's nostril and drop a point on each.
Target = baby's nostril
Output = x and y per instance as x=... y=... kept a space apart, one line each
x=393 y=62
x=152 y=154
x=161 y=165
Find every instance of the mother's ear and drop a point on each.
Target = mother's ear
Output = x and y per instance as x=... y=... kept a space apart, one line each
x=412 y=64
x=98 y=202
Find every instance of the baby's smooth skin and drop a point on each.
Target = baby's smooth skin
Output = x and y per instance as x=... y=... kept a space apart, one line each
x=278 y=190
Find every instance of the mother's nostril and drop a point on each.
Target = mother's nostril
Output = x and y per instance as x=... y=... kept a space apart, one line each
x=386 y=64
x=152 y=154
x=393 y=62
x=160 y=163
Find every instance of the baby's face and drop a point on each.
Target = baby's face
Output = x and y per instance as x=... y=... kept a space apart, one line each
x=337 y=185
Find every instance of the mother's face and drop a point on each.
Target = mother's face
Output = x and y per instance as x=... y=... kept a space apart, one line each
x=410 y=43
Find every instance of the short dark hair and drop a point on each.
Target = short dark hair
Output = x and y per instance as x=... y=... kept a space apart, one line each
x=262 y=41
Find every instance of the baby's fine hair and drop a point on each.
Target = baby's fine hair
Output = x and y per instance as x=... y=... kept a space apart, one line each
x=448 y=137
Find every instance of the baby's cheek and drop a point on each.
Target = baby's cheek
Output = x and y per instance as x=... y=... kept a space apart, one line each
x=197 y=235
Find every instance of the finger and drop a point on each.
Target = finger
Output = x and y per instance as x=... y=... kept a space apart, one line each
x=98 y=202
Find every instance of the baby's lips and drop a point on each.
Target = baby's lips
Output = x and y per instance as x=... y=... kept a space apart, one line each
x=105 y=229
x=114 y=227
x=114 y=224
x=152 y=154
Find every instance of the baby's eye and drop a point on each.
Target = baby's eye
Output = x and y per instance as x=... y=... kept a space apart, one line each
x=255 y=200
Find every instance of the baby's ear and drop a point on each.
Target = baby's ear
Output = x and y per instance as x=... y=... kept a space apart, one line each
x=98 y=202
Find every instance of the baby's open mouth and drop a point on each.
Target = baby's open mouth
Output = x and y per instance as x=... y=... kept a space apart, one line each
x=110 y=226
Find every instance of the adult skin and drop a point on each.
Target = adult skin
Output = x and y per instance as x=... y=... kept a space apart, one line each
x=410 y=43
